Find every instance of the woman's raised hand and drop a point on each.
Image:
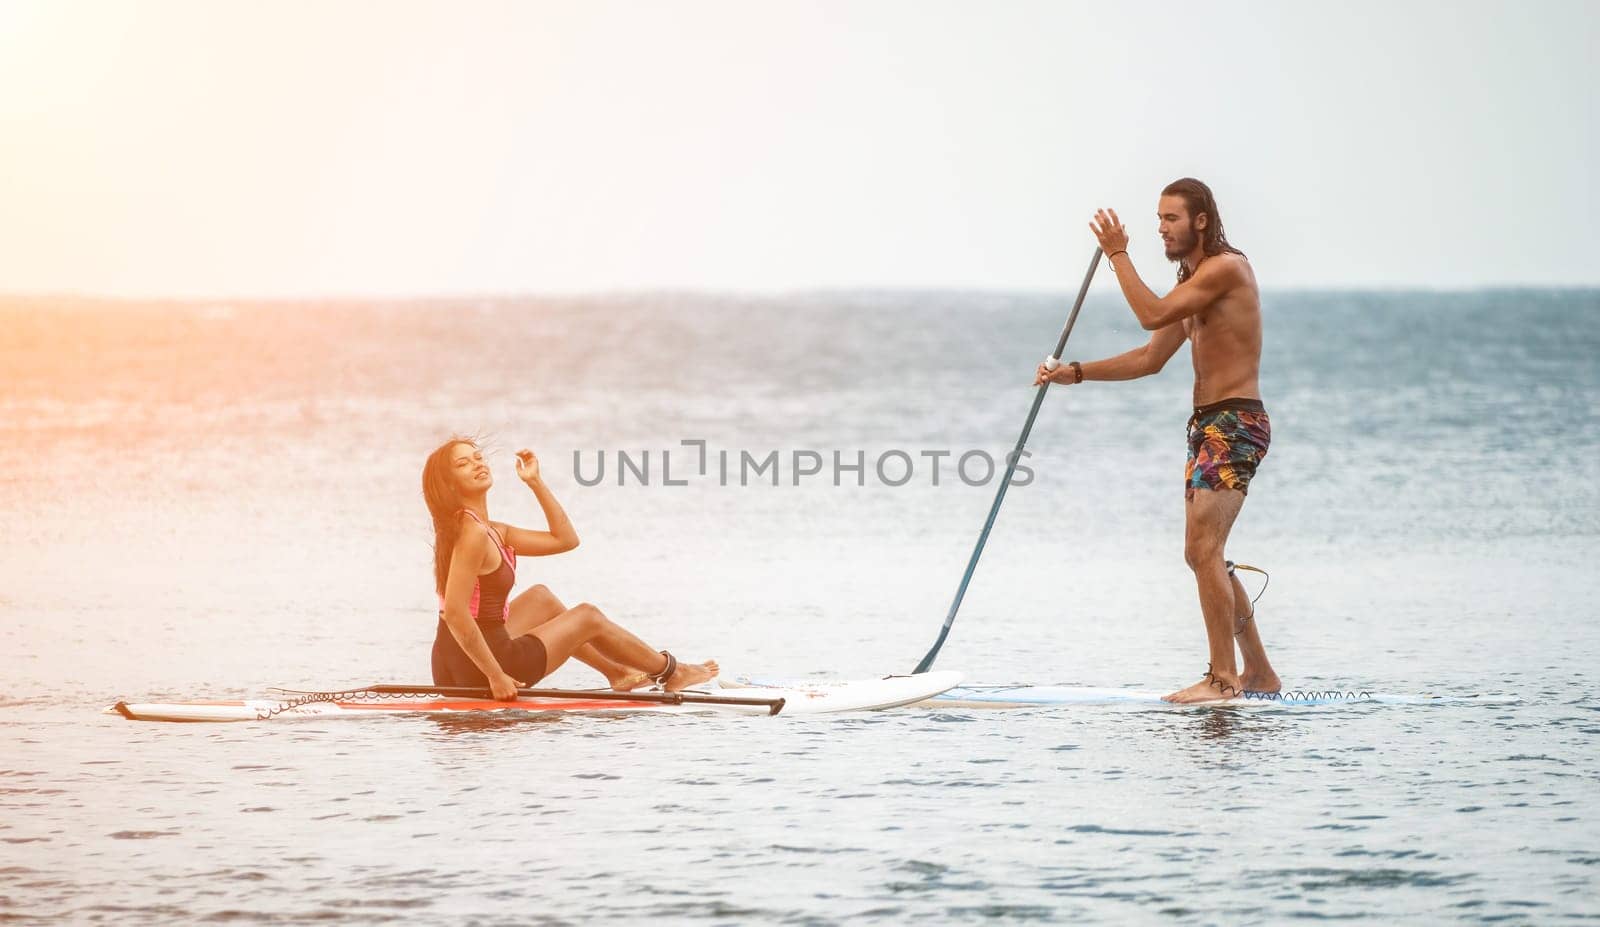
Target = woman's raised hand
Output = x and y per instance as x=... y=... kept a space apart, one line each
x=527 y=466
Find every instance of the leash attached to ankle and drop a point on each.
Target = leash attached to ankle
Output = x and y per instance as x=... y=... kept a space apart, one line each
x=661 y=678
x=1230 y=691
x=1232 y=568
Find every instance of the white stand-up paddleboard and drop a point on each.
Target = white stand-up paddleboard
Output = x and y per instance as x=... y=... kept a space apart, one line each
x=801 y=699
x=980 y=696
x=1024 y=696
x=804 y=696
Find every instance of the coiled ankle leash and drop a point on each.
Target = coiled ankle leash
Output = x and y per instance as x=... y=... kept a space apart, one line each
x=1232 y=567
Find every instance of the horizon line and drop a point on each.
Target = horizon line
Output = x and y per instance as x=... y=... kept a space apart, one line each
x=767 y=292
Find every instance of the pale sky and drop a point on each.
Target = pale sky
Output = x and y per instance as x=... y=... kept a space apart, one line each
x=218 y=149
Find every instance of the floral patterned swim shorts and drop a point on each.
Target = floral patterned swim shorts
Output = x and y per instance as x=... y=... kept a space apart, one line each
x=1227 y=440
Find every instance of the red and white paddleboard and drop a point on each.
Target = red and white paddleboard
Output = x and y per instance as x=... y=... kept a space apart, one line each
x=795 y=699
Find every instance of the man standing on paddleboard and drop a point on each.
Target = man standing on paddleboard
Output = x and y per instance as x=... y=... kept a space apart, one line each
x=1216 y=307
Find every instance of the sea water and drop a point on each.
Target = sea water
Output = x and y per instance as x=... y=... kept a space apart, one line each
x=211 y=499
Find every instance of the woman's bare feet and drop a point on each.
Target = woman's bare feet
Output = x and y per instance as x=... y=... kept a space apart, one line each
x=627 y=682
x=1261 y=682
x=684 y=676
x=691 y=674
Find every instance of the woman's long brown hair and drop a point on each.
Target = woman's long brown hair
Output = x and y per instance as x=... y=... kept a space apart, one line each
x=442 y=493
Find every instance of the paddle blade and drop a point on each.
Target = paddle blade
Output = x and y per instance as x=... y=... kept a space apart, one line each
x=933 y=652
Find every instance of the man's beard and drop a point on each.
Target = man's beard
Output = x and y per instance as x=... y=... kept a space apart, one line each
x=1182 y=244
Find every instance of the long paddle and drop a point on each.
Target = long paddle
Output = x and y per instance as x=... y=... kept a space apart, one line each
x=774 y=705
x=1011 y=468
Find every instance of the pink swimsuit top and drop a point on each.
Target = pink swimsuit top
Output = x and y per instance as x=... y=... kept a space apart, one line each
x=491 y=594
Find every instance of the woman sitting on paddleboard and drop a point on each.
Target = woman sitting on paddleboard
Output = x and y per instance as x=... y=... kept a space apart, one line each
x=486 y=638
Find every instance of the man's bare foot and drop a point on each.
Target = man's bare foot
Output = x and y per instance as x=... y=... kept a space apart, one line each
x=691 y=674
x=1210 y=689
x=1261 y=682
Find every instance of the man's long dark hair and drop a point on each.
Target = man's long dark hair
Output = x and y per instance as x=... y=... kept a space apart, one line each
x=1197 y=198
